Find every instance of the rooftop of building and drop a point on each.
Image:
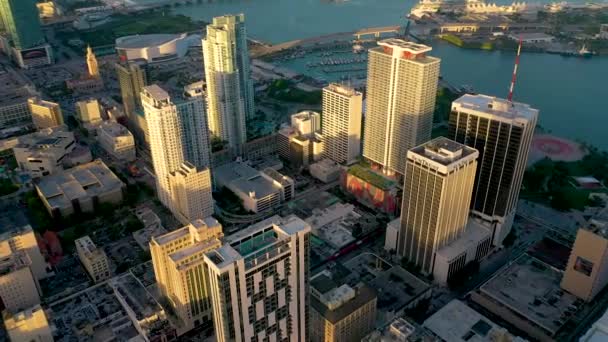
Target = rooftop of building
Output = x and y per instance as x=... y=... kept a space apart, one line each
x=531 y=288
x=372 y=177
x=396 y=287
x=51 y=137
x=195 y=249
x=343 y=302
x=14 y=320
x=12 y=231
x=86 y=180
x=157 y=93
x=444 y=151
x=114 y=129
x=208 y=223
x=474 y=233
x=401 y=330
x=459 y=323
x=257 y=240
x=597 y=227
x=277 y=176
x=141 y=41
x=342 y=89
x=43 y=103
x=326 y=164
x=499 y=108
x=148 y=217
x=94 y=314
x=138 y=299
x=13 y=262
x=305 y=115
x=228 y=18
x=87 y=245
x=404 y=45
x=334 y=223
x=238 y=176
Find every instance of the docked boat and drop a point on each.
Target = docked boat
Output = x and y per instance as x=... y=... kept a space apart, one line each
x=584 y=52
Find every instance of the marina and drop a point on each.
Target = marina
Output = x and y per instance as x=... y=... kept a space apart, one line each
x=568 y=91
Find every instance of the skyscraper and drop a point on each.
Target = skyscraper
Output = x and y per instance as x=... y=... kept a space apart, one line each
x=178 y=133
x=20 y=18
x=24 y=40
x=178 y=263
x=342 y=112
x=439 y=178
x=92 y=65
x=259 y=282
x=229 y=87
x=132 y=78
x=401 y=91
x=191 y=189
x=502 y=133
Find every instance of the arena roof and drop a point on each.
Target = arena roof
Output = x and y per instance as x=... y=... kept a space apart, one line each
x=146 y=40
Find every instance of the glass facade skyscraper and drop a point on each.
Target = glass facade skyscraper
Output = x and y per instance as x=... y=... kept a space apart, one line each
x=229 y=87
x=502 y=133
x=21 y=22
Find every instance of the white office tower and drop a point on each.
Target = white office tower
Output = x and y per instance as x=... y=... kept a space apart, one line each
x=401 y=91
x=439 y=178
x=178 y=133
x=192 y=192
x=502 y=132
x=229 y=87
x=178 y=263
x=342 y=112
x=259 y=282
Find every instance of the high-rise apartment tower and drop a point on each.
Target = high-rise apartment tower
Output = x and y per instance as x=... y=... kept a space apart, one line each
x=401 y=91
x=229 y=87
x=259 y=282
x=341 y=123
x=178 y=133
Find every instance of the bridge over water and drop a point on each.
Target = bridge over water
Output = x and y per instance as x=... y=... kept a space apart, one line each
x=362 y=33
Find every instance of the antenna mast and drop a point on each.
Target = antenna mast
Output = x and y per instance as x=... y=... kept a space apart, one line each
x=510 y=97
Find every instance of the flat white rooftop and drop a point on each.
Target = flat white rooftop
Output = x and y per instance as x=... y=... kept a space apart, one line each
x=443 y=151
x=147 y=40
x=156 y=92
x=456 y=322
x=404 y=45
x=490 y=105
x=474 y=233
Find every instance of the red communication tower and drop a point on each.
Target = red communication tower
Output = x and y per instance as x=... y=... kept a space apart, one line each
x=510 y=97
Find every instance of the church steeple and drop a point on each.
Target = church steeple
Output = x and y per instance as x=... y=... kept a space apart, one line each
x=92 y=63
